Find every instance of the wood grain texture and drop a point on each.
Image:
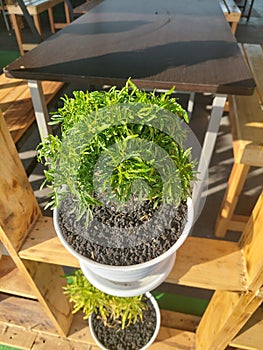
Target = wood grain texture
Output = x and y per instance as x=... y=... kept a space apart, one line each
x=251 y=335
x=200 y=262
x=11 y=280
x=16 y=103
x=43 y=244
x=225 y=315
x=41 y=335
x=208 y=263
x=252 y=246
x=49 y=282
x=18 y=206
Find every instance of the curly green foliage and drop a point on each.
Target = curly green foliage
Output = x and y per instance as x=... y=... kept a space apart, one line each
x=126 y=171
x=110 y=308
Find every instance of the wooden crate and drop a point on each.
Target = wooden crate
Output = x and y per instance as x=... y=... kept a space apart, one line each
x=42 y=318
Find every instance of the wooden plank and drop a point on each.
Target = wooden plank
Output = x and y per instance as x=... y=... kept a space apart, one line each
x=16 y=337
x=238 y=223
x=246 y=118
x=173 y=339
x=24 y=313
x=86 y=6
x=252 y=245
x=225 y=315
x=11 y=280
x=18 y=315
x=197 y=260
x=48 y=282
x=7 y=88
x=79 y=330
x=33 y=7
x=44 y=342
x=42 y=244
x=17 y=197
x=16 y=103
x=180 y=321
x=208 y=263
x=254 y=55
x=251 y=335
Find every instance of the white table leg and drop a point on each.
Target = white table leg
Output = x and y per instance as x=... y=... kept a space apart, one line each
x=207 y=151
x=40 y=107
x=190 y=105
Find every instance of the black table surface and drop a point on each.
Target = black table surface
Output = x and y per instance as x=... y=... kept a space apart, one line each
x=159 y=44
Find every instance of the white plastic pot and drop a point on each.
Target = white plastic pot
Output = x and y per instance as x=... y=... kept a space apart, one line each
x=132 y=279
x=157 y=327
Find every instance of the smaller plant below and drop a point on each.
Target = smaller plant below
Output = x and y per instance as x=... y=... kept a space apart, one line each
x=112 y=310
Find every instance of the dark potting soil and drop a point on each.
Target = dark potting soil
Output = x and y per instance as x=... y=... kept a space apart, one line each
x=122 y=237
x=133 y=337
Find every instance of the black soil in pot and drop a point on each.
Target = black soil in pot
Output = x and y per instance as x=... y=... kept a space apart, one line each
x=112 y=236
x=133 y=337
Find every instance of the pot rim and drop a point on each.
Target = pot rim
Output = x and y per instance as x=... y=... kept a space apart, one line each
x=166 y=254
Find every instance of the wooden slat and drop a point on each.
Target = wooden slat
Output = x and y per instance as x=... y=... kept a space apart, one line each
x=252 y=244
x=86 y=6
x=254 y=55
x=225 y=315
x=173 y=339
x=208 y=263
x=200 y=262
x=180 y=321
x=17 y=197
x=42 y=244
x=246 y=117
x=24 y=313
x=17 y=337
x=251 y=335
x=238 y=223
x=19 y=316
x=246 y=113
x=11 y=280
x=49 y=282
x=16 y=103
x=33 y=7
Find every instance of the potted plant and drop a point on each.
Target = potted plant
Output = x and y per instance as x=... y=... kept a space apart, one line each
x=121 y=179
x=115 y=322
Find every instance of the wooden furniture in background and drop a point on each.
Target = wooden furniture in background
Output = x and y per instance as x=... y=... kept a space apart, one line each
x=232 y=13
x=35 y=8
x=16 y=103
x=246 y=119
x=41 y=315
x=85 y=7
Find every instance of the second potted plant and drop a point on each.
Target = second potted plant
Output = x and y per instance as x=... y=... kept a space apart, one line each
x=115 y=322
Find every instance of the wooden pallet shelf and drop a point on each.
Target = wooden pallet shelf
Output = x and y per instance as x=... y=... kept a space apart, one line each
x=24 y=324
x=196 y=261
x=35 y=266
x=11 y=280
x=251 y=335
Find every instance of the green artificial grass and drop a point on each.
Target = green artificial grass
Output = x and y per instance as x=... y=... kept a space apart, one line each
x=7 y=57
x=181 y=303
x=3 y=347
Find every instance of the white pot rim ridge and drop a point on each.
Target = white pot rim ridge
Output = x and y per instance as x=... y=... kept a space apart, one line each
x=170 y=251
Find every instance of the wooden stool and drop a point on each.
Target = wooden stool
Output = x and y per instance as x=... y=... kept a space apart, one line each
x=35 y=7
x=246 y=117
x=232 y=13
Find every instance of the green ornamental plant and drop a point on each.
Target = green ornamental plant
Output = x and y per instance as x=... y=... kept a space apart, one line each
x=111 y=309
x=77 y=165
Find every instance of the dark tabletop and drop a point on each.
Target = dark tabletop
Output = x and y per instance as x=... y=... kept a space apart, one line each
x=157 y=43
